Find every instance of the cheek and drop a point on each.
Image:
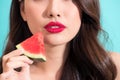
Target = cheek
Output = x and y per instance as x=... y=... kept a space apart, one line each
x=73 y=16
x=75 y=23
x=33 y=19
x=75 y=20
x=33 y=12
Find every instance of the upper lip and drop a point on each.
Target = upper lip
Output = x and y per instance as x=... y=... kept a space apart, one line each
x=54 y=24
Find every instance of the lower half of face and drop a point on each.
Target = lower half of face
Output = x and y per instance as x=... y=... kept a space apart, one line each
x=37 y=17
x=62 y=37
x=58 y=36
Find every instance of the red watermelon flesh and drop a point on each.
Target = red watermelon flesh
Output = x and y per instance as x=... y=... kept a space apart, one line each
x=33 y=47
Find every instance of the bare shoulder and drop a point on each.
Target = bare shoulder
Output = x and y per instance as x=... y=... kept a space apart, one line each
x=116 y=59
x=115 y=56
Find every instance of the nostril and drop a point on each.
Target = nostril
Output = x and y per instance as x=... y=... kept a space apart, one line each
x=58 y=15
x=51 y=15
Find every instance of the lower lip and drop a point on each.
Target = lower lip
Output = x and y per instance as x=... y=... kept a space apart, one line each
x=55 y=30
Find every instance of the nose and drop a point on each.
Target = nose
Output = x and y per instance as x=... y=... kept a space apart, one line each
x=53 y=9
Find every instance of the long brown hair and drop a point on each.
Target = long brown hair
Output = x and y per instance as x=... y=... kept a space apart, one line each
x=87 y=59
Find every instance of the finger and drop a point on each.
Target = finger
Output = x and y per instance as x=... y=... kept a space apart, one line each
x=16 y=60
x=11 y=74
x=6 y=75
x=14 y=65
x=21 y=58
x=11 y=54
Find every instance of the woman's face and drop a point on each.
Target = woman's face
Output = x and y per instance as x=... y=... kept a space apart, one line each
x=58 y=20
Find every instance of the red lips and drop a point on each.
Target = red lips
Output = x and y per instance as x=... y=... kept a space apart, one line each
x=54 y=27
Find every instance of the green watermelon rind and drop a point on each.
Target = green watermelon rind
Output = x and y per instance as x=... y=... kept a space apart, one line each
x=31 y=55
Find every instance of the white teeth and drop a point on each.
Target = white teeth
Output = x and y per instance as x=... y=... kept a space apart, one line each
x=53 y=27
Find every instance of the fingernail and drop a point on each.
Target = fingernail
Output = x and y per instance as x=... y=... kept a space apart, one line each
x=21 y=51
x=31 y=62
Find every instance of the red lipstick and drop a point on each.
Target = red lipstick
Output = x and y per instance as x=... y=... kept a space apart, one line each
x=54 y=27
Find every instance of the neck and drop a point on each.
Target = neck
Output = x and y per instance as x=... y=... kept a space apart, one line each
x=56 y=57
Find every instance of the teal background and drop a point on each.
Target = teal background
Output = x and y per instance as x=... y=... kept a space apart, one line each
x=4 y=21
x=110 y=20
x=110 y=15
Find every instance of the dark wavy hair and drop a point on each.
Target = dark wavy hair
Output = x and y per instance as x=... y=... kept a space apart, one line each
x=87 y=59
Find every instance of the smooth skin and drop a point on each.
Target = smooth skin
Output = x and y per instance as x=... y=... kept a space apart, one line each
x=38 y=13
x=116 y=59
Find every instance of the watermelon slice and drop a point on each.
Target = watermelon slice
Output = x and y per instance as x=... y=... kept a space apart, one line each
x=33 y=47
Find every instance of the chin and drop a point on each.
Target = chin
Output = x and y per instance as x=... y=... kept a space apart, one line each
x=56 y=42
x=57 y=39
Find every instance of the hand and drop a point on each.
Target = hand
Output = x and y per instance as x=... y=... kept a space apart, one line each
x=14 y=61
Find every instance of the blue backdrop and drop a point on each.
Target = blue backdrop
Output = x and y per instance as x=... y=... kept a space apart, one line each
x=110 y=15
